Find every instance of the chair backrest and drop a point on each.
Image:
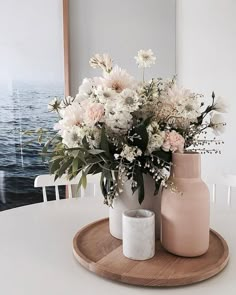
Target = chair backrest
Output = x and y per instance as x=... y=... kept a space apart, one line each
x=219 y=184
x=93 y=186
x=46 y=180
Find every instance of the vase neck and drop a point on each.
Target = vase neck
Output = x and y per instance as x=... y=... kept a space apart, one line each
x=187 y=165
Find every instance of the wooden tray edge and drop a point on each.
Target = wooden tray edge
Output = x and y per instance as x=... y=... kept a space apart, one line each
x=109 y=274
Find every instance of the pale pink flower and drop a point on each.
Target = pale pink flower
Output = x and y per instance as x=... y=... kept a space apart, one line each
x=94 y=113
x=118 y=80
x=173 y=142
x=72 y=115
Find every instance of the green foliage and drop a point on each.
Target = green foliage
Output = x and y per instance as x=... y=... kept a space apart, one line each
x=86 y=159
x=139 y=136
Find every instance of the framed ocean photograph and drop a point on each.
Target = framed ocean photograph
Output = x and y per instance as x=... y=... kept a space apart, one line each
x=34 y=70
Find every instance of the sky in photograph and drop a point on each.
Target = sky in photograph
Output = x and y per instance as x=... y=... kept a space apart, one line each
x=31 y=43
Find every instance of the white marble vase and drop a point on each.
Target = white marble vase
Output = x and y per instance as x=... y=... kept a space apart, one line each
x=138 y=234
x=127 y=201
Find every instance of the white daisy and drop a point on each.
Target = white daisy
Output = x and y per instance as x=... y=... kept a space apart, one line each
x=145 y=58
x=129 y=100
x=54 y=105
x=71 y=137
x=104 y=94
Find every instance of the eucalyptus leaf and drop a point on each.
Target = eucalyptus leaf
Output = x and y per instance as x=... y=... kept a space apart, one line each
x=64 y=166
x=54 y=166
x=139 y=136
x=83 y=180
x=75 y=165
x=96 y=152
x=104 y=145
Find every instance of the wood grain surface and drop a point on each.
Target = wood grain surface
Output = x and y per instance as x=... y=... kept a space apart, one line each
x=101 y=253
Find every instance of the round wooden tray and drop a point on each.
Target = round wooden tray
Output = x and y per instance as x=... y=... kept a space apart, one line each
x=98 y=251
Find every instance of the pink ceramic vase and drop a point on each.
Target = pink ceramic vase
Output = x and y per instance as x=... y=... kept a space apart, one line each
x=185 y=214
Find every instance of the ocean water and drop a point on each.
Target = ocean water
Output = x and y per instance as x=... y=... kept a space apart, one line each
x=23 y=106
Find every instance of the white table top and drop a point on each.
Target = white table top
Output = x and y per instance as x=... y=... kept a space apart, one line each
x=36 y=252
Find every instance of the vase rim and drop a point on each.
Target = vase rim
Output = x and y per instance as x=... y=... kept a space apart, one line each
x=186 y=155
x=138 y=213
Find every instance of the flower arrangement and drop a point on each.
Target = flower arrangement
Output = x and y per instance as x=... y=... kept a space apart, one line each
x=123 y=128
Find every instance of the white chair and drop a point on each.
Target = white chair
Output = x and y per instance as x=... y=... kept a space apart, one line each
x=92 y=189
x=230 y=181
x=227 y=181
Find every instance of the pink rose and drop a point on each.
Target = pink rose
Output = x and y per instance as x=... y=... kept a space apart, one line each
x=94 y=113
x=173 y=142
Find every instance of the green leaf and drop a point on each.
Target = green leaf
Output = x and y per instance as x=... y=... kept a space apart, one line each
x=139 y=177
x=75 y=165
x=165 y=156
x=104 y=145
x=102 y=185
x=96 y=152
x=54 y=166
x=85 y=143
x=64 y=166
x=95 y=168
x=157 y=187
x=54 y=158
x=147 y=121
x=84 y=180
x=140 y=135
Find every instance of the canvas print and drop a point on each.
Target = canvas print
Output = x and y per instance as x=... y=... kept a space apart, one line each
x=31 y=75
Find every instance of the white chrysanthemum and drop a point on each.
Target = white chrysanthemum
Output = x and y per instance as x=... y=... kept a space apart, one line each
x=217 y=124
x=119 y=121
x=129 y=100
x=104 y=94
x=111 y=106
x=183 y=106
x=190 y=110
x=102 y=61
x=145 y=58
x=220 y=106
x=81 y=97
x=130 y=152
x=177 y=95
x=118 y=80
x=71 y=137
x=87 y=87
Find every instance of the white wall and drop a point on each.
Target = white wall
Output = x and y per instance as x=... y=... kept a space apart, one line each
x=206 y=61
x=31 y=43
x=121 y=28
